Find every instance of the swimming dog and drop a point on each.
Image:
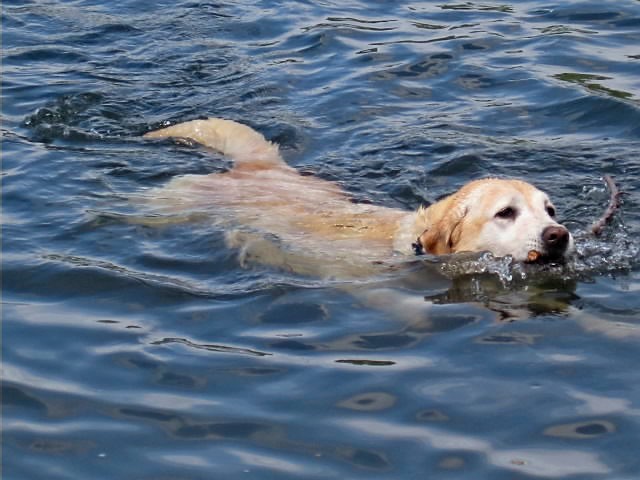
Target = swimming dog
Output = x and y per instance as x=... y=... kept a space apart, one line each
x=319 y=221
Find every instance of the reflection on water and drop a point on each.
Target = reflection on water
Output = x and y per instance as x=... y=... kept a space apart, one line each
x=142 y=346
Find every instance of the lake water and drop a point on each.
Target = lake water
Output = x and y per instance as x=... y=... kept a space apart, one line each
x=138 y=348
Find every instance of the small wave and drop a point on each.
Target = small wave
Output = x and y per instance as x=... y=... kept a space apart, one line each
x=615 y=253
x=211 y=347
x=59 y=119
x=46 y=54
x=594 y=256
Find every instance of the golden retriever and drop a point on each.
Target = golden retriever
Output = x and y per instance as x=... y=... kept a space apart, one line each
x=317 y=219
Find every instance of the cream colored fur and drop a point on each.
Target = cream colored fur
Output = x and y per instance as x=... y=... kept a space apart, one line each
x=323 y=232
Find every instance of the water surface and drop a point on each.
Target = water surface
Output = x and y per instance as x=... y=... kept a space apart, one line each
x=136 y=347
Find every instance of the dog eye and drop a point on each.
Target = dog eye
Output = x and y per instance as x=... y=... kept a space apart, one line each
x=551 y=211
x=507 y=213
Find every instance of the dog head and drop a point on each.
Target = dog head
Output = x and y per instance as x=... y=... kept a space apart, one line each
x=504 y=217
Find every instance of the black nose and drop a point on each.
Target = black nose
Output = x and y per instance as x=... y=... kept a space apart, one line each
x=555 y=239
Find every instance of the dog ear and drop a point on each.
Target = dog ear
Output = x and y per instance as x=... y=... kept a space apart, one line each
x=444 y=229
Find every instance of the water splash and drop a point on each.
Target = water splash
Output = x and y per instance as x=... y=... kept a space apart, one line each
x=516 y=290
x=601 y=255
x=595 y=256
x=477 y=264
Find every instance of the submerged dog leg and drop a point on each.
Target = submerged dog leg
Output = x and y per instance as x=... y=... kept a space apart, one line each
x=403 y=306
x=246 y=147
x=421 y=317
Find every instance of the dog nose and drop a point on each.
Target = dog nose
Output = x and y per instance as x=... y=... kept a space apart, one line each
x=555 y=238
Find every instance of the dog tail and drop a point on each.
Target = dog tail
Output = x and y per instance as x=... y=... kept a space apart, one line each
x=246 y=147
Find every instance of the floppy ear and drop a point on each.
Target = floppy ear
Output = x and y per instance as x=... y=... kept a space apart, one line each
x=444 y=226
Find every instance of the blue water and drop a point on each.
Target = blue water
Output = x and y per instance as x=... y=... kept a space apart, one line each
x=138 y=348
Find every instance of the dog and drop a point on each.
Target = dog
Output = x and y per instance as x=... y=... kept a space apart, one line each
x=300 y=221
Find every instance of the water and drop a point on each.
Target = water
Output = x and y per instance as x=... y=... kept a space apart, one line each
x=136 y=347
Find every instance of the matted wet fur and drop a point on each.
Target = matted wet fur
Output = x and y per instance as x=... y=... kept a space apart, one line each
x=311 y=226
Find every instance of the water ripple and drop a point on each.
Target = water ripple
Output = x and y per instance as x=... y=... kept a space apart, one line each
x=210 y=347
x=134 y=339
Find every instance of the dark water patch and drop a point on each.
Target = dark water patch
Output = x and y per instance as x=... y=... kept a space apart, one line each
x=15 y=397
x=193 y=429
x=257 y=371
x=633 y=22
x=344 y=26
x=292 y=345
x=468 y=164
x=431 y=416
x=65 y=109
x=91 y=278
x=508 y=338
x=368 y=460
x=565 y=30
x=106 y=33
x=594 y=112
x=220 y=430
x=367 y=363
x=211 y=347
x=369 y=402
x=475 y=81
x=79 y=118
x=590 y=81
x=433 y=66
x=149 y=415
x=478 y=7
x=46 y=55
x=58 y=447
x=582 y=430
x=596 y=15
x=383 y=341
x=173 y=379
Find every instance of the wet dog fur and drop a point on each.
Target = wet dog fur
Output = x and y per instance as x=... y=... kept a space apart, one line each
x=336 y=236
